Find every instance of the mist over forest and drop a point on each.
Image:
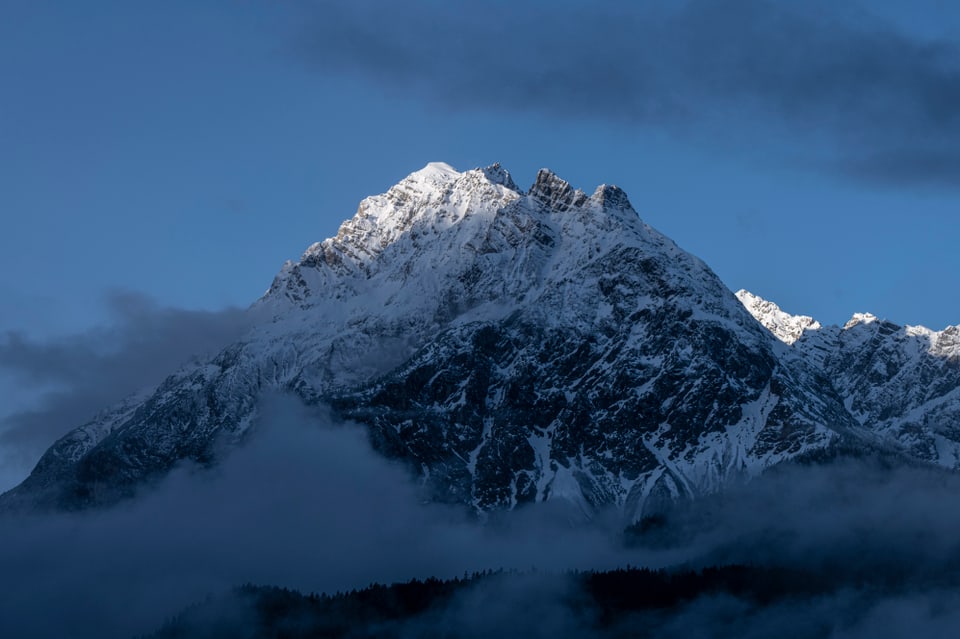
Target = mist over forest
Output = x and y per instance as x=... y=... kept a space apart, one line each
x=307 y=505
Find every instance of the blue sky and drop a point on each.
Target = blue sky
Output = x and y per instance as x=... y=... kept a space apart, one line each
x=184 y=150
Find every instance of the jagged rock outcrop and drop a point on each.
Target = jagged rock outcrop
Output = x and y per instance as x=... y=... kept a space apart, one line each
x=786 y=327
x=901 y=384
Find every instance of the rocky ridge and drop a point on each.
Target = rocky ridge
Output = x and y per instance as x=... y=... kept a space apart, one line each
x=901 y=384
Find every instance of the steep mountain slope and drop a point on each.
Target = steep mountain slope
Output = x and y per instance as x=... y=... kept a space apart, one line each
x=511 y=347
x=901 y=384
x=786 y=327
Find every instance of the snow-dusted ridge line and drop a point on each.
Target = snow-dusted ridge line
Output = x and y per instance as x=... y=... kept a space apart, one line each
x=790 y=328
x=786 y=327
x=901 y=384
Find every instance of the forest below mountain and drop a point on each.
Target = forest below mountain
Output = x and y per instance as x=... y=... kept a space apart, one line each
x=730 y=600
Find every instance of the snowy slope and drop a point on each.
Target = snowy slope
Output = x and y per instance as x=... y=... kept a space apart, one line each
x=786 y=327
x=901 y=384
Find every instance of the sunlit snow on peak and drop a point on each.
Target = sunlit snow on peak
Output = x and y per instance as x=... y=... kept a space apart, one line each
x=786 y=327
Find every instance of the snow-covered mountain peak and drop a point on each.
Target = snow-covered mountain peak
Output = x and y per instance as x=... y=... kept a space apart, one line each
x=786 y=327
x=443 y=220
x=860 y=318
x=945 y=343
x=435 y=198
x=439 y=171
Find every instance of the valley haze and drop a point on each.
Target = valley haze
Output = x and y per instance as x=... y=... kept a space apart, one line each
x=541 y=360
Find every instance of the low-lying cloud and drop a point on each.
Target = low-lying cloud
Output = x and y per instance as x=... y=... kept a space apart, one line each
x=870 y=541
x=307 y=504
x=76 y=376
x=838 y=87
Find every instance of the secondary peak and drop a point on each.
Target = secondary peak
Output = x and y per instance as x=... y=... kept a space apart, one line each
x=555 y=192
x=611 y=197
x=499 y=175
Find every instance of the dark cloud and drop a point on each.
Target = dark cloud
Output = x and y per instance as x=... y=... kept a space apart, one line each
x=872 y=516
x=878 y=538
x=78 y=375
x=837 y=87
x=306 y=504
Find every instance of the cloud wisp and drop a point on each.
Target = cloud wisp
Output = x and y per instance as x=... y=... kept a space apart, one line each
x=844 y=91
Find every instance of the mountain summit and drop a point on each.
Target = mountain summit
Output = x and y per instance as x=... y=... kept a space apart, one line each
x=514 y=347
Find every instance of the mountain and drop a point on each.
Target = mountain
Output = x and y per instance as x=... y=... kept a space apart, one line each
x=514 y=347
x=901 y=384
x=785 y=327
